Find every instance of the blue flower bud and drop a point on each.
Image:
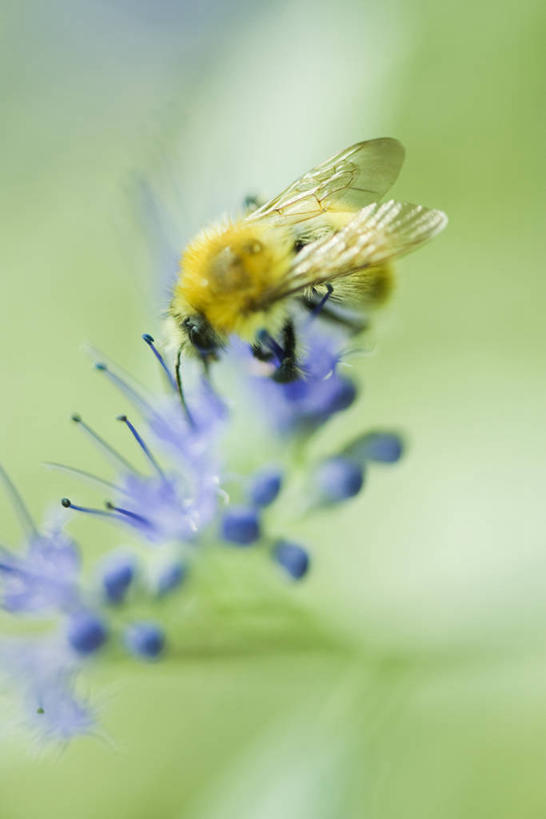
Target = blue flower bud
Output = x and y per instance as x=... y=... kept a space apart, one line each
x=145 y=639
x=171 y=578
x=338 y=478
x=117 y=576
x=265 y=485
x=86 y=632
x=385 y=447
x=240 y=525
x=293 y=558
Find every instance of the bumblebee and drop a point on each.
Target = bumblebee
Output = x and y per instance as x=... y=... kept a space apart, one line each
x=325 y=244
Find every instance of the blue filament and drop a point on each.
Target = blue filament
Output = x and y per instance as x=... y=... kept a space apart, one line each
x=87 y=510
x=18 y=503
x=138 y=438
x=124 y=387
x=128 y=514
x=87 y=475
x=106 y=446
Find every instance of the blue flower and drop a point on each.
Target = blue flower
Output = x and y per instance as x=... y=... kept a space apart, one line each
x=44 y=576
x=185 y=494
x=168 y=507
x=191 y=441
x=303 y=405
x=174 y=502
x=44 y=673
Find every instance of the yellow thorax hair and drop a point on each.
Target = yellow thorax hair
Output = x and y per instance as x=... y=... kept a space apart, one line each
x=227 y=269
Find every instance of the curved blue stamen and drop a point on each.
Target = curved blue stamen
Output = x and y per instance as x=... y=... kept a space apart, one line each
x=88 y=510
x=127 y=513
x=124 y=387
x=19 y=505
x=83 y=474
x=149 y=340
x=106 y=446
x=141 y=443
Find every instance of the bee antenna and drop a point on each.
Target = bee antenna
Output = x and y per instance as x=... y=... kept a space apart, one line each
x=178 y=368
x=150 y=341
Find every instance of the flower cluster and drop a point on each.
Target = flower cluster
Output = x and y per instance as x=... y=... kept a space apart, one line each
x=200 y=489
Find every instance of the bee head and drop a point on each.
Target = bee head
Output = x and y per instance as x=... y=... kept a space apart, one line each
x=201 y=335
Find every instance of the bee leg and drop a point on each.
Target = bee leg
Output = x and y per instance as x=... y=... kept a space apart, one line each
x=318 y=308
x=284 y=352
x=206 y=360
x=260 y=352
x=352 y=320
x=288 y=368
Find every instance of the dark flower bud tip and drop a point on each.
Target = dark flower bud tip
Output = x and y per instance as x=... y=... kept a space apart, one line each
x=293 y=558
x=171 y=578
x=265 y=486
x=145 y=640
x=117 y=577
x=86 y=632
x=382 y=447
x=240 y=525
x=339 y=478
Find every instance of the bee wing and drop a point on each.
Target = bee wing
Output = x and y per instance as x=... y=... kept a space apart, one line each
x=377 y=234
x=348 y=181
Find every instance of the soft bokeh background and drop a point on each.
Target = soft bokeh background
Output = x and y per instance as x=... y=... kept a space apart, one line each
x=433 y=581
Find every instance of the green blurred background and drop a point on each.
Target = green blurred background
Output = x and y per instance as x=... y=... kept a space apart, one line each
x=429 y=701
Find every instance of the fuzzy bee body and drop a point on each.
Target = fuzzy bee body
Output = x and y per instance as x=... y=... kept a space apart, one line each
x=326 y=232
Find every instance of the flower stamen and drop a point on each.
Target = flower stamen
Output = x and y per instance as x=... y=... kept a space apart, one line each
x=82 y=473
x=128 y=513
x=140 y=441
x=124 y=387
x=88 y=510
x=19 y=505
x=96 y=438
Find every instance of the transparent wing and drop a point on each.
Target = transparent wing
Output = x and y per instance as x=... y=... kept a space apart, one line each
x=377 y=234
x=356 y=177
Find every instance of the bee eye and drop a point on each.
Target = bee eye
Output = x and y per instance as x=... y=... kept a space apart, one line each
x=200 y=334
